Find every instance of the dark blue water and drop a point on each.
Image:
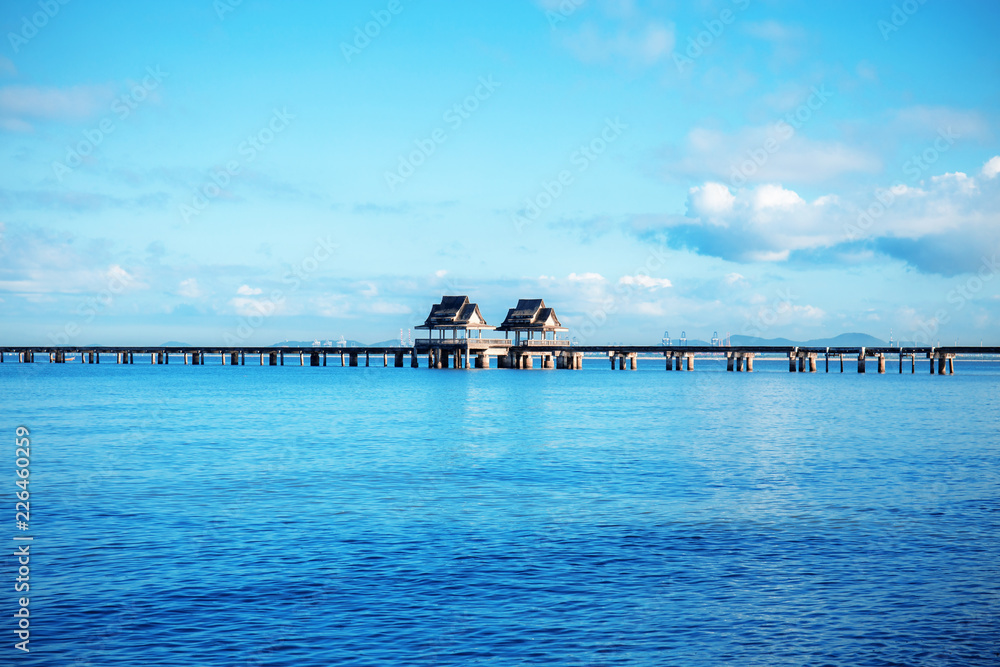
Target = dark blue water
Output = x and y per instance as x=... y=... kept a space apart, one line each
x=213 y=515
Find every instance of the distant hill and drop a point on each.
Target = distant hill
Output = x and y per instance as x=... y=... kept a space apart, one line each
x=847 y=340
x=174 y=343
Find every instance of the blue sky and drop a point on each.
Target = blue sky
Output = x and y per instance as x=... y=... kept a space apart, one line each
x=248 y=172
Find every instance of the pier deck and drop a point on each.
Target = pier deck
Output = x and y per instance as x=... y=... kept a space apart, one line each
x=477 y=352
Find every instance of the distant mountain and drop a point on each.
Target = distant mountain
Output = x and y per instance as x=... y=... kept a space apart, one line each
x=392 y=342
x=174 y=343
x=847 y=340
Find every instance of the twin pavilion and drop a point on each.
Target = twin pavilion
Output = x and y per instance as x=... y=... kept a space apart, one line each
x=529 y=330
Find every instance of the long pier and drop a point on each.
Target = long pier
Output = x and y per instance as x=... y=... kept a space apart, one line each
x=504 y=353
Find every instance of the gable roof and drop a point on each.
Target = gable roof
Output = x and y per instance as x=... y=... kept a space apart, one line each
x=455 y=312
x=531 y=314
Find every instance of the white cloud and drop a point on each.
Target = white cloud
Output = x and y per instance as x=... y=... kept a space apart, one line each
x=769 y=153
x=585 y=277
x=189 y=289
x=992 y=168
x=735 y=279
x=441 y=273
x=246 y=290
x=712 y=199
x=942 y=224
x=647 y=282
x=643 y=45
x=20 y=104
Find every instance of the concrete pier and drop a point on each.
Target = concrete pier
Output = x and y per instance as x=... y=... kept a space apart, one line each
x=467 y=353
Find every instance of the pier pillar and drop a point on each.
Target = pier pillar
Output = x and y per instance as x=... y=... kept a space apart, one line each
x=314 y=359
x=166 y=357
x=622 y=358
x=913 y=364
x=413 y=359
x=812 y=363
x=841 y=362
x=261 y=359
x=385 y=360
x=678 y=362
x=527 y=361
x=881 y=363
x=324 y=359
x=791 y=362
x=941 y=364
x=951 y=365
x=437 y=358
x=750 y=363
x=399 y=360
x=482 y=361
x=368 y=360
x=186 y=359
x=613 y=360
x=900 y=363
x=281 y=357
x=222 y=357
x=739 y=363
x=243 y=359
x=353 y=356
x=861 y=362
x=302 y=361
x=931 y=357
x=730 y=359
x=548 y=362
x=690 y=360
x=272 y=359
x=670 y=360
x=633 y=361
x=234 y=358
x=802 y=363
x=827 y=362
x=341 y=359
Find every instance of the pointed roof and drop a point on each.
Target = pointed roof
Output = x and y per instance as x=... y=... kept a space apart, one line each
x=531 y=315
x=455 y=312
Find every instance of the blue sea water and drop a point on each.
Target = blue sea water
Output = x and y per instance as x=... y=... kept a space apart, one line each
x=207 y=515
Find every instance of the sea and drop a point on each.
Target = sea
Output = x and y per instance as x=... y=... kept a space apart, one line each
x=245 y=515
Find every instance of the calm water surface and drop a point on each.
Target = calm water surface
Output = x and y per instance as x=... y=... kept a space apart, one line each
x=316 y=516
